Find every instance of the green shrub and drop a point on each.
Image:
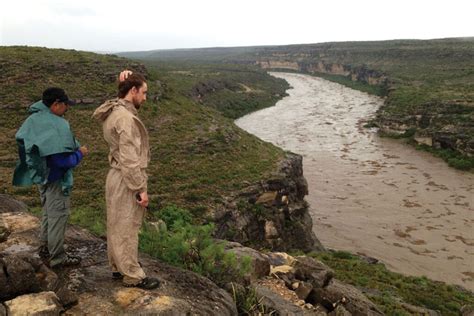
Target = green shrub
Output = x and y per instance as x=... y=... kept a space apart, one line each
x=172 y=214
x=461 y=163
x=192 y=247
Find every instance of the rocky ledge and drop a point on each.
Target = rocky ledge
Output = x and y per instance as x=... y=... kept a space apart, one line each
x=271 y=214
x=28 y=286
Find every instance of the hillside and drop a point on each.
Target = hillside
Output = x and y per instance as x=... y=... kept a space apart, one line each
x=198 y=156
x=428 y=84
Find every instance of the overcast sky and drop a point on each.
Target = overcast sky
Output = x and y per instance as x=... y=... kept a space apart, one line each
x=122 y=25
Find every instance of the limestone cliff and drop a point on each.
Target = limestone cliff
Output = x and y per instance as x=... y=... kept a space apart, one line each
x=271 y=214
x=362 y=74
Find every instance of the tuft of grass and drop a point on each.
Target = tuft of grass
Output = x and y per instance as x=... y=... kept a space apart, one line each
x=248 y=303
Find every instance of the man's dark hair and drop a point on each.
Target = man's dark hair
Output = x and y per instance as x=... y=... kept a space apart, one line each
x=134 y=80
x=53 y=94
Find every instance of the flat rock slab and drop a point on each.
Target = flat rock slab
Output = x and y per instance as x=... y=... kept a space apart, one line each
x=181 y=291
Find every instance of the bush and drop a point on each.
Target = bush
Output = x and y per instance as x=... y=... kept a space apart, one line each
x=461 y=164
x=192 y=247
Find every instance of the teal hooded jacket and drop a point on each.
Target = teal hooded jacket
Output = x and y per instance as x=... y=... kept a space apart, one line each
x=42 y=134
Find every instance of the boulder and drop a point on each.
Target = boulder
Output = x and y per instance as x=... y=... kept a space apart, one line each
x=44 y=304
x=260 y=266
x=285 y=273
x=303 y=289
x=338 y=293
x=47 y=278
x=17 y=276
x=275 y=302
x=67 y=297
x=279 y=258
x=9 y=204
x=312 y=271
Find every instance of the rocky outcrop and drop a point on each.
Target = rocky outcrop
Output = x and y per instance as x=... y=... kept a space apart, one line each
x=354 y=73
x=90 y=286
x=271 y=214
x=279 y=64
x=432 y=125
x=310 y=284
x=305 y=286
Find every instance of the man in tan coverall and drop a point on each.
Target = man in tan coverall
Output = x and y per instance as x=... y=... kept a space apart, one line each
x=126 y=185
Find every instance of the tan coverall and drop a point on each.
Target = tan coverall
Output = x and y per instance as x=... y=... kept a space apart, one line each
x=128 y=157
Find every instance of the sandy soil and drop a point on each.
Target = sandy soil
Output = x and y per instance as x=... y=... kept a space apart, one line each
x=371 y=195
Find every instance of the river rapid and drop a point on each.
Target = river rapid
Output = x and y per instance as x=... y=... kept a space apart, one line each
x=370 y=195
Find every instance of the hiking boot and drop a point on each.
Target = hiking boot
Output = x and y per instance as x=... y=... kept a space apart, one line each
x=43 y=251
x=146 y=284
x=117 y=276
x=69 y=261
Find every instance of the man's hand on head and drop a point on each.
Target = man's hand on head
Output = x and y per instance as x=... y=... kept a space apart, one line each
x=124 y=75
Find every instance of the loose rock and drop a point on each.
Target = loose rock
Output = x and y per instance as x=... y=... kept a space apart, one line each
x=44 y=304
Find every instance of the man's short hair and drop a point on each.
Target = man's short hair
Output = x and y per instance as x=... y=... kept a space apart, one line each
x=134 y=80
x=54 y=94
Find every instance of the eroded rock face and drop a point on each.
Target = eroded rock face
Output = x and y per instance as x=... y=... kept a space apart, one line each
x=89 y=287
x=272 y=214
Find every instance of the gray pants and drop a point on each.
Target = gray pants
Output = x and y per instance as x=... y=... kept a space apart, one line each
x=54 y=220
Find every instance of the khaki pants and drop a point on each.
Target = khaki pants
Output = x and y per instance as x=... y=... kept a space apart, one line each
x=124 y=219
x=54 y=220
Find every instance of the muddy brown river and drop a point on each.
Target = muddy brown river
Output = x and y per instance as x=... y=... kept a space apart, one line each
x=371 y=195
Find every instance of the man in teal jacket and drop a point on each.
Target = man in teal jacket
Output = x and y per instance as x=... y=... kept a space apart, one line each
x=48 y=152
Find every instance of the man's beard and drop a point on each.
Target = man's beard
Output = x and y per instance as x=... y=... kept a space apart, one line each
x=136 y=104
